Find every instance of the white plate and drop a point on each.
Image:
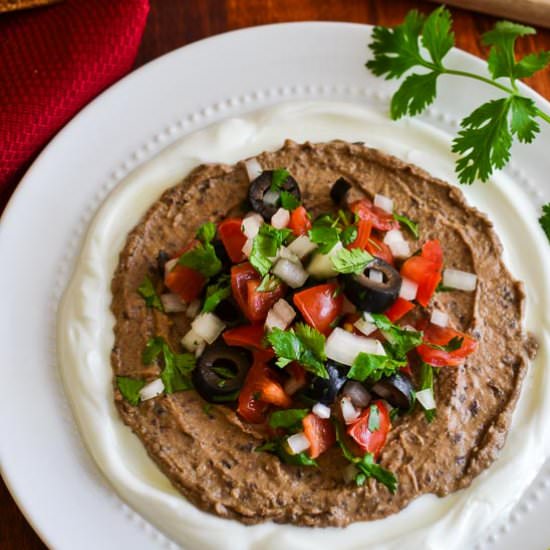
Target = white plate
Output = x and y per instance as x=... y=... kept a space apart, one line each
x=43 y=460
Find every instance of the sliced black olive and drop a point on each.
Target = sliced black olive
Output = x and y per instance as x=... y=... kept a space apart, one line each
x=229 y=312
x=339 y=191
x=221 y=253
x=359 y=395
x=397 y=390
x=325 y=390
x=369 y=295
x=162 y=258
x=220 y=371
x=261 y=185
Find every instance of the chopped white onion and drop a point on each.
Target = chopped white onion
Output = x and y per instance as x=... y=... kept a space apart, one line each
x=408 y=289
x=461 y=280
x=321 y=410
x=280 y=315
x=251 y=224
x=400 y=249
x=169 y=265
x=208 y=326
x=302 y=246
x=364 y=326
x=298 y=443
x=321 y=266
x=247 y=247
x=287 y=254
x=383 y=202
x=343 y=347
x=200 y=349
x=293 y=274
x=253 y=168
x=348 y=307
x=426 y=399
x=439 y=318
x=154 y=388
x=376 y=276
x=409 y=327
x=271 y=197
x=191 y=341
x=349 y=412
x=280 y=219
x=172 y=303
x=193 y=309
x=393 y=236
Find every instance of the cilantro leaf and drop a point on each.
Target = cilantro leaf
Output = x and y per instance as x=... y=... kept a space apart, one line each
x=269 y=283
x=203 y=259
x=278 y=177
x=414 y=95
x=523 y=123
x=351 y=261
x=374 y=419
x=452 y=345
x=206 y=232
x=288 y=200
x=130 y=388
x=373 y=367
x=408 y=223
x=324 y=234
x=544 y=220
x=437 y=36
x=287 y=418
x=400 y=341
x=312 y=339
x=427 y=383
x=216 y=293
x=531 y=63
x=265 y=246
x=147 y=291
x=348 y=235
x=278 y=447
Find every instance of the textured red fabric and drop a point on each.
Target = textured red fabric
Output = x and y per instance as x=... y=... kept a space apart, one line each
x=53 y=61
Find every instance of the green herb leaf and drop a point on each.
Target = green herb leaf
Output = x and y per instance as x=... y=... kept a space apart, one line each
x=408 y=223
x=544 y=220
x=278 y=178
x=531 y=63
x=374 y=419
x=427 y=383
x=452 y=345
x=277 y=446
x=523 y=123
x=206 y=232
x=348 y=235
x=269 y=283
x=414 y=95
x=149 y=294
x=373 y=367
x=130 y=388
x=288 y=418
x=351 y=261
x=324 y=236
x=437 y=35
x=265 y=246
x=400 y=341
x=312 y=339
x=289 y=201
x=216 y=293
x=203 y=259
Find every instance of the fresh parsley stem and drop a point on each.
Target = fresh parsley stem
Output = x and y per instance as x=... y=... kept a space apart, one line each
x=481 y=78
x=543 y=115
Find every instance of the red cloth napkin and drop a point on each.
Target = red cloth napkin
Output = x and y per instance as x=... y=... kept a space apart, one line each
x=53 y=61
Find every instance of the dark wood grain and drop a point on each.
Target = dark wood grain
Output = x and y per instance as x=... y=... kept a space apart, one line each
x=174 y=23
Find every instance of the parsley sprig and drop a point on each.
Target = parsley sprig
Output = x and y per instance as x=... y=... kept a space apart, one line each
x=487 y=133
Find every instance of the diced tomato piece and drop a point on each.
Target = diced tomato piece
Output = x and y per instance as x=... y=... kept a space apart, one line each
x=441 y=336
x=259 y=303
x=364 y=228
x=379 y=249
x=320 y=434
x=297 y=380
x=379 y=218
x=371 y=441
x=319 y=306
x=246 y=336
x=240 y=275
x=299 y=221
x=233 y=238
x=187 y=283
x=425 y=270
x=398 y=309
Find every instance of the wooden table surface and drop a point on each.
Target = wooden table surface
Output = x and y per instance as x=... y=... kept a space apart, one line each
x=174 y=23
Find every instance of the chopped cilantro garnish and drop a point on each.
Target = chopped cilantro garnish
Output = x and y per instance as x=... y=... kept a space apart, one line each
x=373 y=367
x=289 y=201
x=408 y=223
x=427 y=383
x=202 y=258
x=130 y=388
x=288 y=418
x=149 y=294
x=216 y=293
x=400 y=341
x=206 y=232
x=452 y=345
x=374 y=418
x=351 y=261
x=277 y=446
x=265 y=246
x=324 y=236
x=269 y=283
x=348 y=235
x=278 y=177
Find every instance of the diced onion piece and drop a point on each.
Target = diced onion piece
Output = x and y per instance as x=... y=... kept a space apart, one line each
x=364 y=326
x=400 y=249
x=343 y=347
x=280 y=315
x=461 y=280
x=154 y=388
x=426 y=399
x=393 y=236
x=287 y=254
x=302 y=246
x=247 y=247
x=193 y=309
x=200 y=349
x=208 y=326
x=321 y=266
x=439 y=318
x=253 y=168
x=409 y=328
x=349 y=412
x=408 y=289
x=348 y=307
x=271 y=197
x=298 y=443
x=293 y=274
x=251 y=224
x=191 y=341
x=376 y=276
x=349 y=473
x=321 y=410
x=169 y=265
x=172 y=303
x=280 y=219
x=383 y=202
